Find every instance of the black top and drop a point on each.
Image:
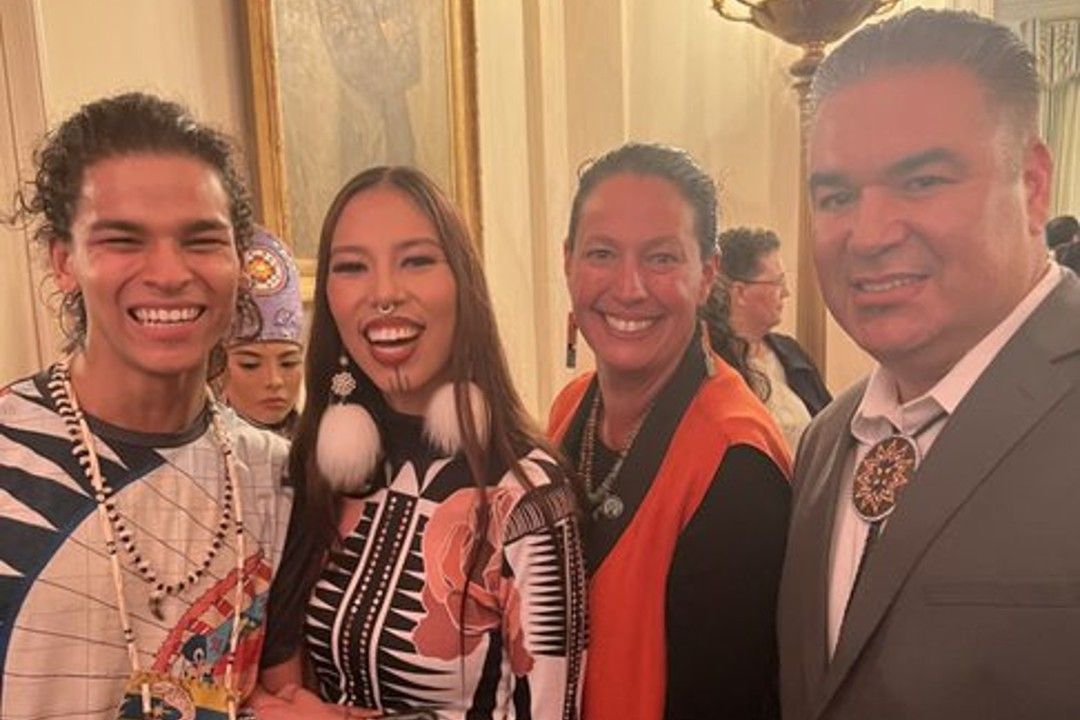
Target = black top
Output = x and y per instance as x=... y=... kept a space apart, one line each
x=718 y=668
x=799 y=370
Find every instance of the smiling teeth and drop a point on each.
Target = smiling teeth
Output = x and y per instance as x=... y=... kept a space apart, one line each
x=628 y=326
x=887 y=285
x=392 y=334
x=161 y=316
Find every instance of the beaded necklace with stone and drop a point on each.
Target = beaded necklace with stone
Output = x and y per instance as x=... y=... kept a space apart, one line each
x=63 y=396
x=602 y=497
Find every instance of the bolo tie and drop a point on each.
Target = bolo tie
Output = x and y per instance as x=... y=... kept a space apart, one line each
x=880 y=477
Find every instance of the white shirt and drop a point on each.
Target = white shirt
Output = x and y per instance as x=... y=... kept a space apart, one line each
x=880 y=413
x=786 y=408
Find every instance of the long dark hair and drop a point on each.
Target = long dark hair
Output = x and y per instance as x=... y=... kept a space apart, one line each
x=476 y=356
x=699 y=191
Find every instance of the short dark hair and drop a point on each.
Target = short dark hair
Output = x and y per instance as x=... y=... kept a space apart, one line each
x=922 y=37
x=1061 y=231
x=121 y=125
x=655 y=160
x=742 y=248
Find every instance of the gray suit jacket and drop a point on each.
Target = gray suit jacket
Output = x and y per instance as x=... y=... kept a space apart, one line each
x=969 y=606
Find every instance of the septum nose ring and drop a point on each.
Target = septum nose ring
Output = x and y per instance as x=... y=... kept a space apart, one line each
x=385 y=308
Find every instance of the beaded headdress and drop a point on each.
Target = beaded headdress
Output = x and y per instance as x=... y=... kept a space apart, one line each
x=275 y=286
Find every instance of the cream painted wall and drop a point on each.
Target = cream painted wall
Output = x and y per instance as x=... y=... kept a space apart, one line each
x=25 y=331
x=188 y=50
x=505 y=189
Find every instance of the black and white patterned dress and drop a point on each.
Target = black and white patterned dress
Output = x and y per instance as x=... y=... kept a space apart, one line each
x=383 y=625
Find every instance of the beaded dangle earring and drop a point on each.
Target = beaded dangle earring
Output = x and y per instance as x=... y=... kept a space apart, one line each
x=707 y=349
x=348 y=445
x=571 y=341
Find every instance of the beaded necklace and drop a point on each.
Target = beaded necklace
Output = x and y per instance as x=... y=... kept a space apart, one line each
x=603 y=499
x=151 y=684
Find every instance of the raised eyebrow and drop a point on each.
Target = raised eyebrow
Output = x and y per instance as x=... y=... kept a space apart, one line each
x=913 y=163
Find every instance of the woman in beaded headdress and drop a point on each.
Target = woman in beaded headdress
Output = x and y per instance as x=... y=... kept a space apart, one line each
x=262 y=375
x=683 y=470
x=433 y=560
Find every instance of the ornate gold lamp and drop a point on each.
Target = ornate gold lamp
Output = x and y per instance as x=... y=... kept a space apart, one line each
x=810 y=24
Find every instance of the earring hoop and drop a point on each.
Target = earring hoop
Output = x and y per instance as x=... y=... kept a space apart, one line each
x=385 y=308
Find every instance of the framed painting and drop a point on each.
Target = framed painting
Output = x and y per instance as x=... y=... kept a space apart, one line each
x=341 y=85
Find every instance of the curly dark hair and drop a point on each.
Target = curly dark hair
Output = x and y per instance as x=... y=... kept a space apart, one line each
x=742 y=248
x=124 y=124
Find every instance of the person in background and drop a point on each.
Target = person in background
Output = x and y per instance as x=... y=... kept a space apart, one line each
x=261 y=381
x=754 y=285
x=933 y=566
x=141 y=520
x=684 y=472
x=1063 y=239
x=433 y=561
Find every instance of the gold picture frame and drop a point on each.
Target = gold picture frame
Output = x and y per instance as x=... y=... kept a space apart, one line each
x=270 y=117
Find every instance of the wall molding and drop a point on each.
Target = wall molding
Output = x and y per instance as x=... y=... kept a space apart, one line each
x=1014 y=11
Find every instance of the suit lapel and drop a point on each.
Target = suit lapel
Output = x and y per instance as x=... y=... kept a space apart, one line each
x=1018 y=388
x=816 y=540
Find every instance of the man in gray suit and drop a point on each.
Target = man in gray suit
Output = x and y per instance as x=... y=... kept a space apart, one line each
x=933 y=566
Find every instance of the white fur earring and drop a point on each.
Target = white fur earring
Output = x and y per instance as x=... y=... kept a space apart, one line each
x=441 y=420
x=348 y=444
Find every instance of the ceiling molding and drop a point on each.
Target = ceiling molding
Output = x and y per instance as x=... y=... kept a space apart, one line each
x=1018 y=10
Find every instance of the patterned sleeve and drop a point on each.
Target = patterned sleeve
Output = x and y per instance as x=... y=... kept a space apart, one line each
x=278 y=507
x=543 y=595
x=265 y=456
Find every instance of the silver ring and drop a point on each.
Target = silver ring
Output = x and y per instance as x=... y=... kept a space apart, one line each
x=385 y=308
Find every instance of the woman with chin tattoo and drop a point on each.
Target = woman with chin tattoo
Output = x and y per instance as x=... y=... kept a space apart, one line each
x=433 y=562
x=683 y=470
